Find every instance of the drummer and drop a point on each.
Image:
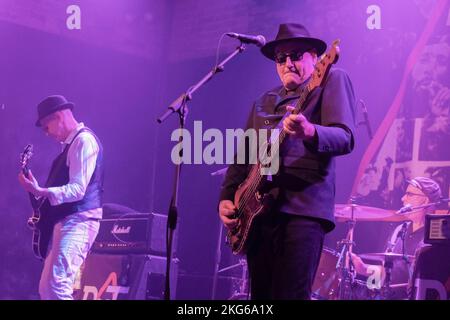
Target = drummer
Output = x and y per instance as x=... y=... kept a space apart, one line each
x=420 y=191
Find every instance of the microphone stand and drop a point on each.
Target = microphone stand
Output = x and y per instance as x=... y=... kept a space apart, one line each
x=366 y=119
x=428 y=205
x=179 y=106
x=403 y=231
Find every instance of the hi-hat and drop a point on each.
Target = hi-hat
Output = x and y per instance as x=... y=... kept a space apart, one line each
x=347 y=212
x=385 y=256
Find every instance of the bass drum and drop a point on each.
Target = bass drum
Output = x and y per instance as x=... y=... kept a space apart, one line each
x=326 y=282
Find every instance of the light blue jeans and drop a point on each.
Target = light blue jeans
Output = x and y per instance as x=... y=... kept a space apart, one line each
x=72 y=238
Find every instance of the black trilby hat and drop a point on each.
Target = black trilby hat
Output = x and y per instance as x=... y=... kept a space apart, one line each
x=50 y=105
x=295 y=33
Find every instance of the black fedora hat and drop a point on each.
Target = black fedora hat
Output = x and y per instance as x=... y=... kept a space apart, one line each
x=295 y=33
x=50 y=105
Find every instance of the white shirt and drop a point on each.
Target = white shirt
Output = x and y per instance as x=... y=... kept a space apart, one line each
x=81 y=160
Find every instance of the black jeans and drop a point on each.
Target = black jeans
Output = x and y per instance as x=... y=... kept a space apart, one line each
x=284 y=256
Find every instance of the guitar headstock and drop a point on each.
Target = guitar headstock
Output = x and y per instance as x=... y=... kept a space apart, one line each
x=323 y=65
x=25 y=157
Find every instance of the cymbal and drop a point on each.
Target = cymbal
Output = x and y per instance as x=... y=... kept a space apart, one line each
x=385 y=256
x=343 y=212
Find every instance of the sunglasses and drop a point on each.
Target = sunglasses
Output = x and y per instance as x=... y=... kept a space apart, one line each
x=294 y=56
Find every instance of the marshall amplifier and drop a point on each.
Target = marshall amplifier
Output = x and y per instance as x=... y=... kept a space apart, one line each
x=139 y=233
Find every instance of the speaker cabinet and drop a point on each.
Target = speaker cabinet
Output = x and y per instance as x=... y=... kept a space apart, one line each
x=124 y=277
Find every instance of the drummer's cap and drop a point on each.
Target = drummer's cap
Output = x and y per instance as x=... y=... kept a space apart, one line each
x=428 y=186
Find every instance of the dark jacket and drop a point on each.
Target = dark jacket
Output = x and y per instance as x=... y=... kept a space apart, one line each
x=306 y=177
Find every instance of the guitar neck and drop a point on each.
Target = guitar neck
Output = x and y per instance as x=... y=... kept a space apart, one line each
x=297 y=109
x=25 y=172
x=35 y=203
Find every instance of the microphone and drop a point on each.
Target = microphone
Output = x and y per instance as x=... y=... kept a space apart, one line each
x=407 y=208
x=245 y=38
x=400 y=233
x=366 y=118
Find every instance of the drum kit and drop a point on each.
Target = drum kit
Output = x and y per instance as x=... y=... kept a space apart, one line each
x=336 y=276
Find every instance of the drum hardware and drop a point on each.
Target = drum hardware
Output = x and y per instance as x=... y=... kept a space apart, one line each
x=344 y=265
x=385 y=256
x=242 y=292
x=336 y=278
x=326 y=283
x=348 y=212
x=399 y=285
x=386 y=288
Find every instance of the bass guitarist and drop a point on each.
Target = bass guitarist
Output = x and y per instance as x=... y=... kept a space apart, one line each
x=70 y=205
x=286 y=241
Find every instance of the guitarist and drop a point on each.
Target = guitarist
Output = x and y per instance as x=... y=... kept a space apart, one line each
x=73 y=196
x=287 y=242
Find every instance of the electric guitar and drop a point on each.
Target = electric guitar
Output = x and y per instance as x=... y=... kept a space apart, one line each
x=42 y=227
x=255 y=196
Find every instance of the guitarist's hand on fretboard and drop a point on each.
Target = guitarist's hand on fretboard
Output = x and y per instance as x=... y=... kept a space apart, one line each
x=226 y=212
x=31 y=185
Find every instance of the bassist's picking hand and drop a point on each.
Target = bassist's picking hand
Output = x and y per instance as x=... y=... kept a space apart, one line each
x=297 y=125
x=226 y=210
